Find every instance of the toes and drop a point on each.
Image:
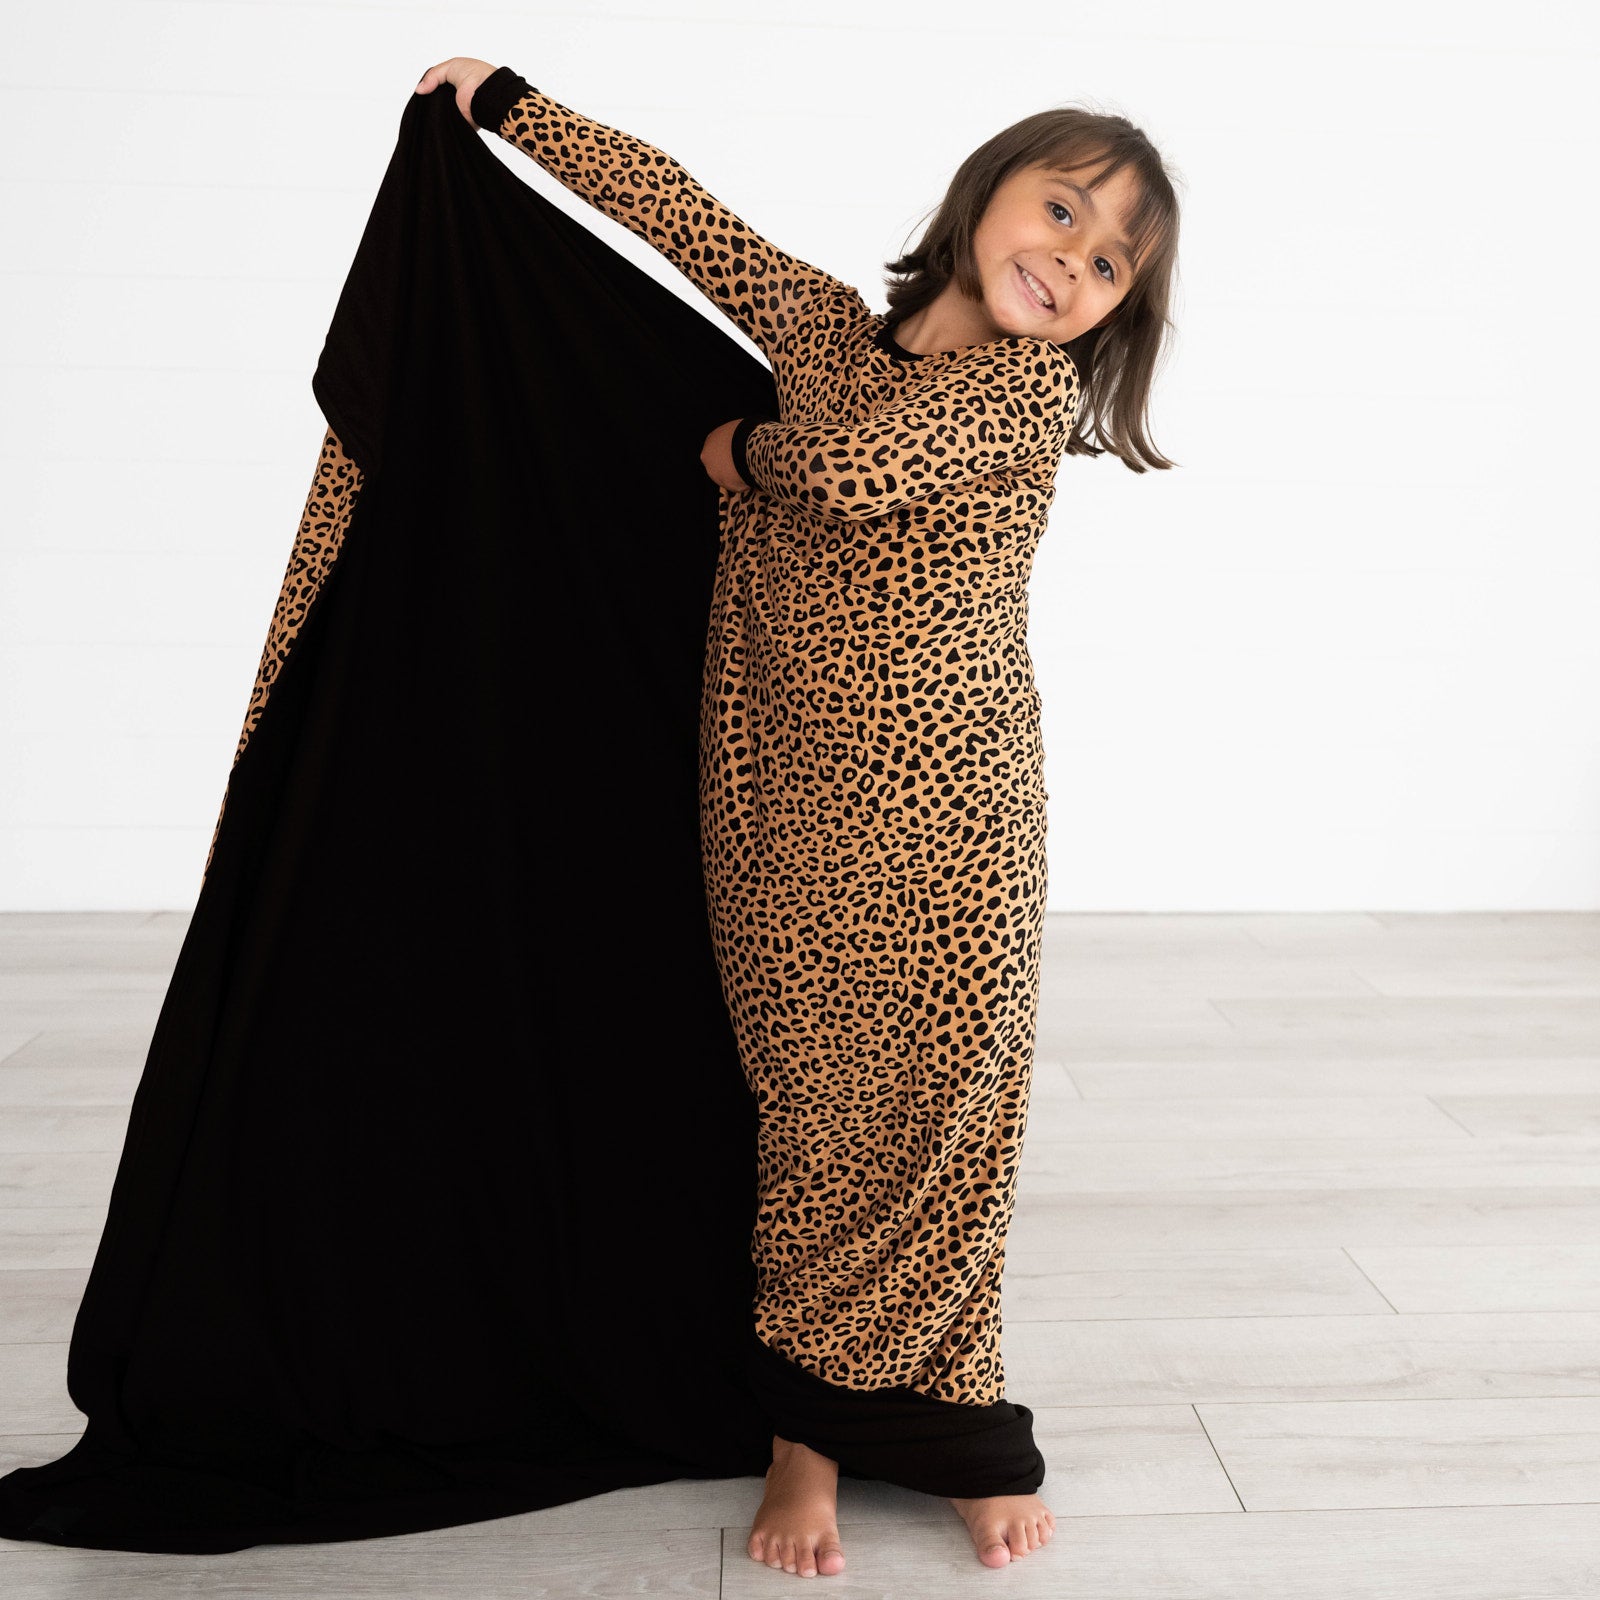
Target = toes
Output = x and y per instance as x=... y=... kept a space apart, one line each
x=807 y=1557
x=996 y=1555
x=823 y=1556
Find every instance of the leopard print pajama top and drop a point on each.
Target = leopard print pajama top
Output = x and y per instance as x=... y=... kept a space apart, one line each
x=871 y=783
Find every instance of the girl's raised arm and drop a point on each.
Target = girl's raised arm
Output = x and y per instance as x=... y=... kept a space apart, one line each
x=757 y=285
x=1019 y=403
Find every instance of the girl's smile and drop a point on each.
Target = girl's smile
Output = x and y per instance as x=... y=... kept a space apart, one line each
x=1038 y=296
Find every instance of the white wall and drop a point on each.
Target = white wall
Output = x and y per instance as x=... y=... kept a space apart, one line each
x=1344 y=656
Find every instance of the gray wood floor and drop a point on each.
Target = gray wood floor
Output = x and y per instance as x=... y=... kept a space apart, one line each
x=1303 y=1286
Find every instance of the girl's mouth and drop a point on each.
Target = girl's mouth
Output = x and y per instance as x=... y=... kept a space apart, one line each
x=1035 y=290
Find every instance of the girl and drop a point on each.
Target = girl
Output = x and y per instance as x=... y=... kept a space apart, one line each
x=871 y=773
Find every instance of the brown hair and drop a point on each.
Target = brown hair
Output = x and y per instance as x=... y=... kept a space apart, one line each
x=1116 y=362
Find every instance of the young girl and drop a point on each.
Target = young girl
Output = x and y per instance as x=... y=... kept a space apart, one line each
x=872 y=798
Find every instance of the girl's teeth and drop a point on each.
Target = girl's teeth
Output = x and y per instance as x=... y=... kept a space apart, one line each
x=1038 y=290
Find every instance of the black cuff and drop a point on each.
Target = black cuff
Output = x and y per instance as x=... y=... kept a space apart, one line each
x=495 y=96
x=736 y=446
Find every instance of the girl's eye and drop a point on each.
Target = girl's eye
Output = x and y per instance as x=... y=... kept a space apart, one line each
x=1111 y=276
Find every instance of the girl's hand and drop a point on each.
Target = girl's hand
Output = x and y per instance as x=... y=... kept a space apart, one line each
x=716 y=456
x=462 y=72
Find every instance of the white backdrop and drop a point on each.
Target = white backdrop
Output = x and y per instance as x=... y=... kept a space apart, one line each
x=1344 y=656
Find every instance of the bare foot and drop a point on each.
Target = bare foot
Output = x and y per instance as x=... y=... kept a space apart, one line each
x=1004 y=1526
x=797 y=1525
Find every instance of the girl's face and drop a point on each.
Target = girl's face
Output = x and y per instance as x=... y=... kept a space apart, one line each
x=1069 y=238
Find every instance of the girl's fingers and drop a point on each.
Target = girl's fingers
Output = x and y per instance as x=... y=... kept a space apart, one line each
x=464 y=73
